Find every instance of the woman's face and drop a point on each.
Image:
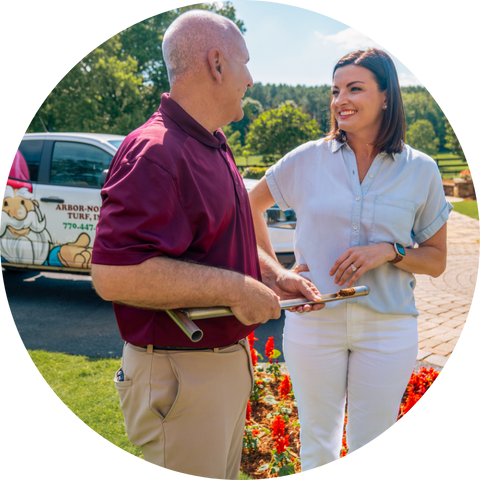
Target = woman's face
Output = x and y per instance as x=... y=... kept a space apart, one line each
x=357 y=103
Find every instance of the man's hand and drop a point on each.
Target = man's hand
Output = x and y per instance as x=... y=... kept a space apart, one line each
x=255 y=303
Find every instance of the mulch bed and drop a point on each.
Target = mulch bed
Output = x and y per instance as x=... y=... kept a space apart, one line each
x=253 y=460
x=261 y=447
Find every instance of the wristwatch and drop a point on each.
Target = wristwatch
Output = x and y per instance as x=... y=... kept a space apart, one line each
x=400 y=252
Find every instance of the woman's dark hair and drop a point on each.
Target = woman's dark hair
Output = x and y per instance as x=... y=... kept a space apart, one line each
x=392 y=131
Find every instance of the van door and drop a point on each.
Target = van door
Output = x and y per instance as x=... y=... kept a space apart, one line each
x=70 y=201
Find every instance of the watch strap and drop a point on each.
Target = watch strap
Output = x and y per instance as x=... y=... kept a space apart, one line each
x=399 y=256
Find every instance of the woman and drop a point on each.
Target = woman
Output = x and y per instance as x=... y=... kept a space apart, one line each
x=363 y=199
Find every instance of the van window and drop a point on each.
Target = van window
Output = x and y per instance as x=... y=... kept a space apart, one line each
x=78 y=164
x=31 y=151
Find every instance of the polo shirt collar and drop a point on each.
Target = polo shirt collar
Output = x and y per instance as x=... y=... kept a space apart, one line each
x=175 y=112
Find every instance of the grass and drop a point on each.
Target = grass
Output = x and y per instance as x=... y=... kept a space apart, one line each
x=450 y=165
x=253 y=160
x=85 y=385
x=256 y=160
x=467 y=207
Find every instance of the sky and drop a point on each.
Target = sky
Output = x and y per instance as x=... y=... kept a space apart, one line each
x=295 y=46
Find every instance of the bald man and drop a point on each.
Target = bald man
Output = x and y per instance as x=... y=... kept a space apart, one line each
x=175 y=230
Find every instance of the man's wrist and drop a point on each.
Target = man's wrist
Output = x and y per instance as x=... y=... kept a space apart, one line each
x=271 y=269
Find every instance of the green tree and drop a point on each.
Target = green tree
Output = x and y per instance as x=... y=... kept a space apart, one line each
x=420 y=105
x=252 y=109
x=421 y=135
x=143 y=42
x=279 y=130
x=314 y=100
x=451 y=141
x=233 y=140
x=117 y=86
x=100 y=94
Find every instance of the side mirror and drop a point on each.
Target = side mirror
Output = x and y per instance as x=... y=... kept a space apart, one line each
x=103 y=177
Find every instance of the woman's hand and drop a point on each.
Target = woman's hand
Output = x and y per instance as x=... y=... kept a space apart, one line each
x=362 y=259
x=307 y=308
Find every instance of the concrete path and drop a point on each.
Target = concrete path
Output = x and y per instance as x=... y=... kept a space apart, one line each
x=444 y=302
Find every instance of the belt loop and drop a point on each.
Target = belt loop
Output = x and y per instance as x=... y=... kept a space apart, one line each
x=215 y=350
x=150 y=349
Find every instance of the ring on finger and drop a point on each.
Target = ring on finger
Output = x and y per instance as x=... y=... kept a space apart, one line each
x=354 y=268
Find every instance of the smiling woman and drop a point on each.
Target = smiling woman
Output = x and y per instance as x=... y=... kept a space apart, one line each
x=360 y=82
x=366 y=199
x=359 y=105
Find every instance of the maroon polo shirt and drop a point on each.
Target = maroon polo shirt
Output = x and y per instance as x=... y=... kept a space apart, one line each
x=173 y=189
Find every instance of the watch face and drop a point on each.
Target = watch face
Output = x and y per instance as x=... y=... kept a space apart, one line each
x=400 y=249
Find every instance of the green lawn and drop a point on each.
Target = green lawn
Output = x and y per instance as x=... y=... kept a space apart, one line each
x=467 y=207
x=85 y=385
x=253 y=160
x=450 y=165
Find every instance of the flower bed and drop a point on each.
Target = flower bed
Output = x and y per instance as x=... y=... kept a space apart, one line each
x=271 y=443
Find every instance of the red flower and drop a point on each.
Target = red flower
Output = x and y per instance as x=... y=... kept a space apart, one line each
x=278 y=427
x=419 y=383
x=249 y=411
x=270 y=345
x=285 y=386
x=253 y=354
x=281 y=444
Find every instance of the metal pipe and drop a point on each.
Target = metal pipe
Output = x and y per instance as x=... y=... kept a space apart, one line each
x=187 y=326
x=184 y=316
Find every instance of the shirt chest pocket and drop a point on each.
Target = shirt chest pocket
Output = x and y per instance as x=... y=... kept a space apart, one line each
x=393 y=220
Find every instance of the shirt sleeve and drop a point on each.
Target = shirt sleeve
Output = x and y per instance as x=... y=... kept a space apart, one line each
x=141 y=216
x=284 y=178
x=433 y=212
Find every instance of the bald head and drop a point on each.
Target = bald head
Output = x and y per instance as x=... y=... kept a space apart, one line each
x=190 y=37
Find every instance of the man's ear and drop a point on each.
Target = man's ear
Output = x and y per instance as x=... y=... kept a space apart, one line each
x=215 y=61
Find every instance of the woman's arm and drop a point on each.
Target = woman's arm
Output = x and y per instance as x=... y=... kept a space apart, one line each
x=283 y=282
x=260 y=201
x=430 y=258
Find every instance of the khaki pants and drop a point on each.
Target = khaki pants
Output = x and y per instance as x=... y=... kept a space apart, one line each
x=186 y=408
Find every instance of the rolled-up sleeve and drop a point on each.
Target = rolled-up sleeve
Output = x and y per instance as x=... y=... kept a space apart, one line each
x=433 y=213
x=272 y=174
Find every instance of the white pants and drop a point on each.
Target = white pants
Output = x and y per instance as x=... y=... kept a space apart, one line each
x=347 y=348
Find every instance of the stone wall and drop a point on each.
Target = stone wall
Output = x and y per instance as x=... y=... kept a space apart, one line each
x=458 y=188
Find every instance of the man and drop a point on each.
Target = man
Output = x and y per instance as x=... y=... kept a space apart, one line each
x=175 y=230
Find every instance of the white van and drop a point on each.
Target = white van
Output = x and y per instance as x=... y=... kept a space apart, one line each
x=52 y=203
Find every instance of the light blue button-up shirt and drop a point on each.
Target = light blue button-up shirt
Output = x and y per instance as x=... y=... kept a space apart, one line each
x=401 y=199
